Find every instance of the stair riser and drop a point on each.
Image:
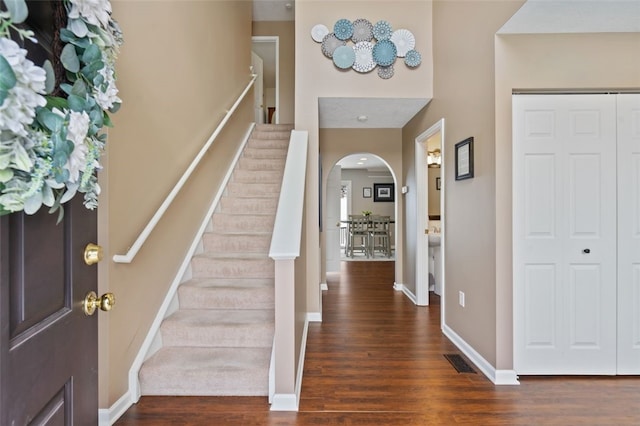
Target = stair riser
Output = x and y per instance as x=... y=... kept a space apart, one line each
x=268 y=143
x=264 y=153
x=237 y=205
x=253 y=190
x=232 y=268
x=214 y=242
x=242 y=223
x=257 y=176
x=274 y=128
x=255 y=164
x=258 y=134
x=226 y=298
x=226 y=336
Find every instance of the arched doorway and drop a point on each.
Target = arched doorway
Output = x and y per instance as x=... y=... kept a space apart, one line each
x=357 y=183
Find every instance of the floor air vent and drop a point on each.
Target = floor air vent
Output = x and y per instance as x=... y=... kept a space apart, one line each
x=459 y=363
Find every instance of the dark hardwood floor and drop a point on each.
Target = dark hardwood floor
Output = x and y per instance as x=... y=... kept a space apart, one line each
x=377 y=359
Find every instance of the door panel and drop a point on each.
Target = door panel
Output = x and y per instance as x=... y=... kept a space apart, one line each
x=48 y=347
x=629 y=234
x=564 y=226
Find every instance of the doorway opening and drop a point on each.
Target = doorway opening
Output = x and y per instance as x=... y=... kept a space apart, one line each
x=351 y=190
x=267 y=91
x=430 y=215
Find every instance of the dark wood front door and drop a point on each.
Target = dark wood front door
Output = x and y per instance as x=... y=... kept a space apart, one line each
x=48 y=346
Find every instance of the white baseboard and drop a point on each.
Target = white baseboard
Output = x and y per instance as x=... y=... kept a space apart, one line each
x=314 y=317
x=108 y=416
x=290 y=402
x=406 y=291
x=498 y=377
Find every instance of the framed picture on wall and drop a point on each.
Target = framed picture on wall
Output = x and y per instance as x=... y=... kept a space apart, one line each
x=366 y=192
x=464 y=159
x=383 y=192
x=438 y=183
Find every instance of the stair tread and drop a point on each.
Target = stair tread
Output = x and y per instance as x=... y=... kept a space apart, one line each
x=206 y=371
x=250 y=256
x=228 y=282
x=209 y=317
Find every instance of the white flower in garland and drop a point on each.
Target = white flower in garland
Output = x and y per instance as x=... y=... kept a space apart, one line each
x=18 y=109
x=50 y=146
x=95 y=12
x=77 y=133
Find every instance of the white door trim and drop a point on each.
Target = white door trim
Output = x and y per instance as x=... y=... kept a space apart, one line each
x=422 y=214
x=276 y=40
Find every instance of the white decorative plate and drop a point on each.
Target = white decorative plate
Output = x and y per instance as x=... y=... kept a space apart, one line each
x=318 y=32
x=404 y=41
x=330 y=43
x=344 y=57
x=385 y=72
x=362 y=31
x=364 y=57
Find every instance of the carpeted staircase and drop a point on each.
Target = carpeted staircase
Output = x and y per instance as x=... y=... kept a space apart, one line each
x=218 y=342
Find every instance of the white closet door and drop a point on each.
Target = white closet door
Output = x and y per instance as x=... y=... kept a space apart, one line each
x=629 y=234
x=564 y=231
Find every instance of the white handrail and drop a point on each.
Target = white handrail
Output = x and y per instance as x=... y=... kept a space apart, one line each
x=287 y=228
x=133 y=250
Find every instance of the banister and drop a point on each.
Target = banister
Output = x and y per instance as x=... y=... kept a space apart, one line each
x=139 y=242
x=287 y=228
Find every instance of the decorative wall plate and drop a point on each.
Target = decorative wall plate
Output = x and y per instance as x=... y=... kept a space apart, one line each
x=384 y=53
x=382 y=30
x=343 y=29
x=362 y=31
x=364 y=57
x=344 y=57
x=318 y=32
x=330 y=43
x=412 y=58
x=404 y=41
x=385 y=72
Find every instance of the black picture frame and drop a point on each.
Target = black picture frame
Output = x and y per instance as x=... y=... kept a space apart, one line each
x=464 y=159
x=438 y=184
x=383 y=192
x=366 y=192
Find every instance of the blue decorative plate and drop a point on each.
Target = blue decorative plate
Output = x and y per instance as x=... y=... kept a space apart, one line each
x=343 y=29
x=412 y=58
x=344 y=57
x=384 y=53
x=382 y=30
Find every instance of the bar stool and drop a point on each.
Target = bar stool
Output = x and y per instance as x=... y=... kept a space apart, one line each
x=379 y=235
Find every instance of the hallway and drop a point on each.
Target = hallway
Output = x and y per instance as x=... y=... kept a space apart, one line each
x=377 y=359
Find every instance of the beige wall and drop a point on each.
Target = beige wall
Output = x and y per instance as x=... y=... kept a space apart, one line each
x=463 y=38
x=174 y=93
x=317 y=77
x=360 y=179
x=285 y=30
x=567 y=62
x=434 y=193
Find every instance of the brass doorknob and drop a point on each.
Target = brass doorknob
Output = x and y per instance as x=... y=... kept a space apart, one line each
x=92 y=254
x=93 y=302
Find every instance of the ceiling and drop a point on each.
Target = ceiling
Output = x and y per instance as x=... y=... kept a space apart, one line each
x=274 y=10
x=362 y=113
x=366 y=161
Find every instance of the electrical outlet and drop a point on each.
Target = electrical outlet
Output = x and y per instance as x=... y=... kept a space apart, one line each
x=461 y=298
